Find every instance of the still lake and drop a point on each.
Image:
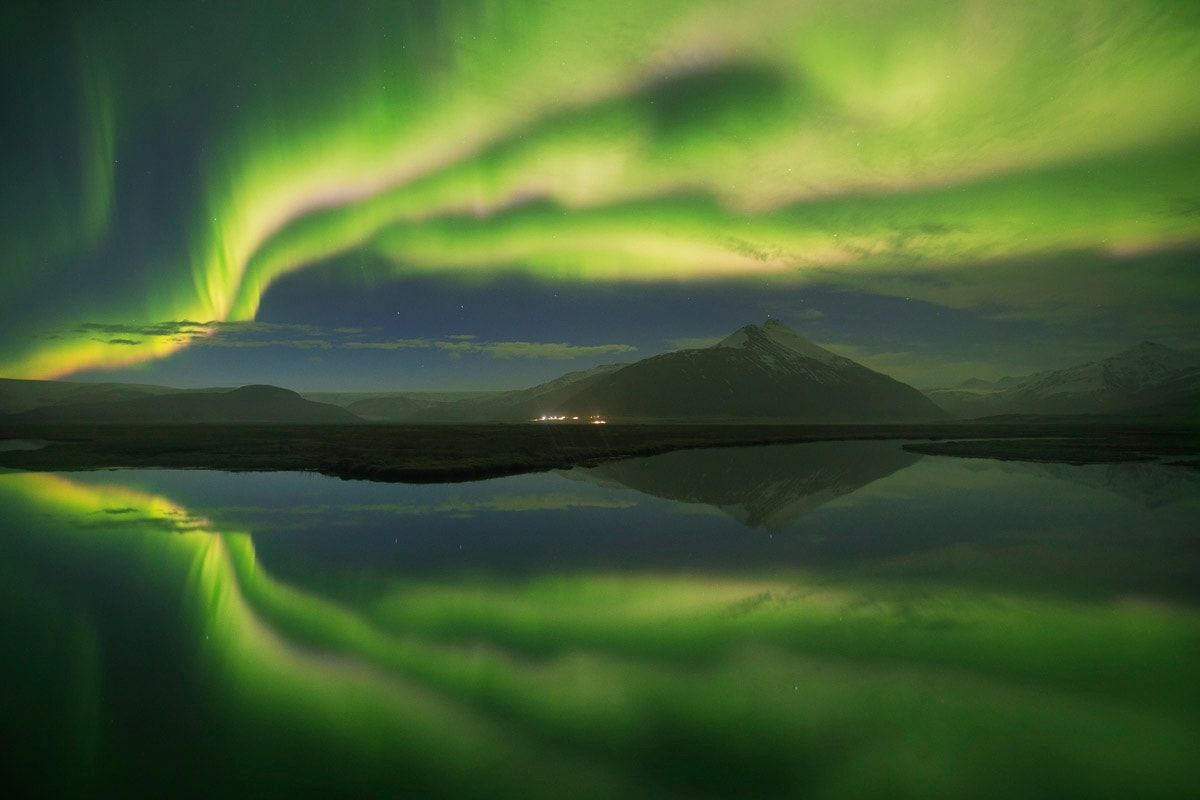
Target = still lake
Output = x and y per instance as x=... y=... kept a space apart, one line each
x=839 y=619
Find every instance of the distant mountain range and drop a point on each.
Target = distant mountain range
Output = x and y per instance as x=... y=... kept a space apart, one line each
x=1148 y=380
x=21 y=395
x=249 y=404
x=760 y=373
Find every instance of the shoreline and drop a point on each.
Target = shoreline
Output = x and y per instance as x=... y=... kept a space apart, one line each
x=456 y=453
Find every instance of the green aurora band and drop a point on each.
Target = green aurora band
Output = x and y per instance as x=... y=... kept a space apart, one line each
x=769 y=140
x=834 y=686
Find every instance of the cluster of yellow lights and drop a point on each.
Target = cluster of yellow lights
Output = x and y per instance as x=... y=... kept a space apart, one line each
x=594 y=419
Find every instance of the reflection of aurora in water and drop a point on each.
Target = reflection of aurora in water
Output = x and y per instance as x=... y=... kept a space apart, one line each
x=154 y=648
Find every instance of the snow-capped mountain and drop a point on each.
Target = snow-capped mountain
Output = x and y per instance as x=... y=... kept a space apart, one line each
x=758 y=373
x=1142 y=377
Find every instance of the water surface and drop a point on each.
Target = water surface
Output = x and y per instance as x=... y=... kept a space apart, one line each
x=826 y=620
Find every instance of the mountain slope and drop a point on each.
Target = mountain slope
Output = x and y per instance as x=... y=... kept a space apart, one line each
x=520 y=405
x=22 y=395
x=1142 y=377
x=759 y=373
x=249 y=404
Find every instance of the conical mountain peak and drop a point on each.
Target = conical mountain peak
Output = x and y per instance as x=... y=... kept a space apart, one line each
x=773 y=332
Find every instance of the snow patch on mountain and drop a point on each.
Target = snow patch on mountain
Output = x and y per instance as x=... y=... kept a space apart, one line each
x=1143 y=376
x=775 y=342
x=1137 y=368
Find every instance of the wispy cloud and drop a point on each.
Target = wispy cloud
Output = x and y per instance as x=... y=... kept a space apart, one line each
x=556 y=352
x=300 y=344
x=311 y=337
x=392 y=344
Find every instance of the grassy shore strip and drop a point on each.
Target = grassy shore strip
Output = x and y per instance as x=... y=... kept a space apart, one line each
x=447 y=453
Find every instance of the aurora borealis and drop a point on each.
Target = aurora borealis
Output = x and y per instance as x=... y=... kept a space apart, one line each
x=979 y=180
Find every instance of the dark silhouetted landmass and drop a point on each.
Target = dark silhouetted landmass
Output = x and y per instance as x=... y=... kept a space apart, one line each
x=436 y=453
x=22 y=395
x=247 y=405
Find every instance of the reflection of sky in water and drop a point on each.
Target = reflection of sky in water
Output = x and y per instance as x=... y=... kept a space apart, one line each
x=1068 y=528
x=915 y=637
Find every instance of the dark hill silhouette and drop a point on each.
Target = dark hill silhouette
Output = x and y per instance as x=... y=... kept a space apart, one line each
x=249 y=404
x=18 y=395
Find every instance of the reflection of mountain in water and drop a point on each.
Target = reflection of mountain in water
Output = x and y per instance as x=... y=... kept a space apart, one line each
x=1148 y=484
x=762 y=487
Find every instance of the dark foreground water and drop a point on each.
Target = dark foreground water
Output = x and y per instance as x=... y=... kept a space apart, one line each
x=820 y=620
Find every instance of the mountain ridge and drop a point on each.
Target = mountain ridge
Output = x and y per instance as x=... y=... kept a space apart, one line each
x=1137 y=379
x=256 y=403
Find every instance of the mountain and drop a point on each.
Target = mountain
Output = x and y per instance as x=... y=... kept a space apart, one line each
x=1149 y=379
x=390 y=406
x=249 y=404
x=521 y=405
x=21 y=395
x=766 y=373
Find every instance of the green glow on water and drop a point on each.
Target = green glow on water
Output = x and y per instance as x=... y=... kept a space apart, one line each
x=613 y=684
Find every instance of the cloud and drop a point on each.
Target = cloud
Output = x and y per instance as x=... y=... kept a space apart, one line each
x=559 y=351
x=311 y=337
x=212 y=333
x=300 y=344
x=394 y=344
x=456 y=349
x=180 y=328
x=458 y=345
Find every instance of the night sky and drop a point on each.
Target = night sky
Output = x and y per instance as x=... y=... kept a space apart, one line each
x=475 y=195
